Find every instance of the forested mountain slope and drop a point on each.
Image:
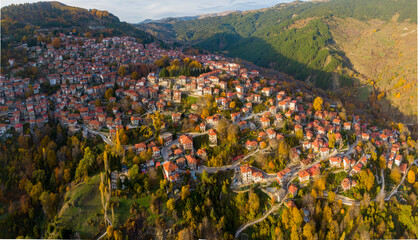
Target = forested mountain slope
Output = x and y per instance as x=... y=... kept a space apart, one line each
x=18 y=20
x=331 y=44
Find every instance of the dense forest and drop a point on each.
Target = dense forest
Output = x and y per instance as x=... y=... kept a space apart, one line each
x=293 y=38
x=38 y=169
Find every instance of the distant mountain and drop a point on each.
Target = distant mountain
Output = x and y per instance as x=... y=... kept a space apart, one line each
x=357 y=46
x=168 y=19
x=19 y=19
x=187 y=18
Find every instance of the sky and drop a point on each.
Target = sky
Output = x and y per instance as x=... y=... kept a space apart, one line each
x=134 y=11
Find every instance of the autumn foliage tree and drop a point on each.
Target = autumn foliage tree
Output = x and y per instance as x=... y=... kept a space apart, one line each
x=411 y=177
x=122 y=71
x=56 y=43
x=109 y=93
x=317 y=104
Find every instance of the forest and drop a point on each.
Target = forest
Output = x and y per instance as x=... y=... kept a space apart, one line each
x=37 y=170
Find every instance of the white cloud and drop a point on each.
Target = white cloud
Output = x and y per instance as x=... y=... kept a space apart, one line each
x=133 y=11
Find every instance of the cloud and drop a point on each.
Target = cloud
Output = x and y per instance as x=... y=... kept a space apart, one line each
x=133 y=11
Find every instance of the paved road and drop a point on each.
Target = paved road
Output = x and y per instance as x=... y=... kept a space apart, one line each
x=345 y=200
x=252 y=115
x=350 y=149
x=382 y=190
x=403 y=179
x=265 y=215
x=104 y=234
x=105 y=138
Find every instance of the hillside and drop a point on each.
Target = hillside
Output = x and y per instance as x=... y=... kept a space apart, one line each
x=327 y=44
x=20 y=20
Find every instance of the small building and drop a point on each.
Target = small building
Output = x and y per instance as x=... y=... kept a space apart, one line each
x=293 y=190
x=167 y=138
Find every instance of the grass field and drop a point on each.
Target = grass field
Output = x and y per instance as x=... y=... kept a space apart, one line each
x=122 y=211
x=364 y=93
x=191 y=99
x=82 y=209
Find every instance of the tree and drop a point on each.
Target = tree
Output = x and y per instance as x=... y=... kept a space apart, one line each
x=86 y=163
x=205 y=113
x=163 y=62
x=395 y=175
x=67 y=176
x=171 y=204
x=411 y=177
x=135 y=75
x=294 y=235
x=331 y=196
x=382 y=162
x=205 y=177
x=109 y=231
x=122 y=71
x=263 y=144
x=34 y=191
x=134 y=172
x=410 y=159
x=366 y=179
x=307 y=231
x=48 y=201
x=154 y=206
x=319 y=186
x=117 y=234
x=185 y=192
x=299 y=134
x=405 y=217
x=157 y=123
x=56 y=43
x=296 y=217
x=232 y=105
x=253 y=204
x=109 y=93
x=51 y=158
x=136 y=160
x=185 y=234
x=97 y=103
x=317 y=104
x=331 y=143
x=286 y=218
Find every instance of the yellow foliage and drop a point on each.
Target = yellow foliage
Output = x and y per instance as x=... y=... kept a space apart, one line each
x=380 y=96
x=411 y=177
x=317 y=104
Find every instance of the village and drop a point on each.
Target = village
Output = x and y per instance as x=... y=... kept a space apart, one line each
x=265 y=112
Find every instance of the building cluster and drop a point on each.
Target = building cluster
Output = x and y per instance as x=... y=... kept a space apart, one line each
x=83 y=70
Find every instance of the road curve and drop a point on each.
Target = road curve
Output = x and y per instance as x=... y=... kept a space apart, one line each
x=242 y=228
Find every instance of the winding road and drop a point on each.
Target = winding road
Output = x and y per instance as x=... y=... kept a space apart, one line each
x=403 y=179
x=243 y=227
x=104 y=234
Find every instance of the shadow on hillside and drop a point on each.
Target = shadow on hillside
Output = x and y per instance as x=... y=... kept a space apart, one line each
x=263 y=54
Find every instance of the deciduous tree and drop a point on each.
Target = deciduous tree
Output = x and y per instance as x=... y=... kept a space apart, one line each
x=317 y=104
x=411 y=177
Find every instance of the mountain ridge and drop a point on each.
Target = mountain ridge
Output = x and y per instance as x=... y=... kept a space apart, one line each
x=16 y=17
x=186 y=18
